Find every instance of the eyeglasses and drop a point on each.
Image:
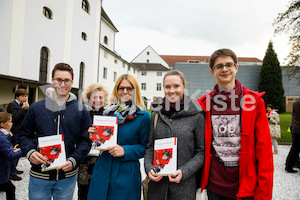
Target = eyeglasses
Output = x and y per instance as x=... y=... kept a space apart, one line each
x=228 y=66
x=129 y=89
x=59 y=81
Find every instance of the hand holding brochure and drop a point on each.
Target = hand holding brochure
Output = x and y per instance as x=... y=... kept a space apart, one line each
x=106 y=132
x=165 y=156
x=53 y=149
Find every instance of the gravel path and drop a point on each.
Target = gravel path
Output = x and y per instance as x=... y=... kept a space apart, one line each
x=286 y=185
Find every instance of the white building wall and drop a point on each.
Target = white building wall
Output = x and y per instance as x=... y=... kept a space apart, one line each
x=28 y=30
x=148 y=55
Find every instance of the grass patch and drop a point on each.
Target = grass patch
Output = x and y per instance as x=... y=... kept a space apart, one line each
x=285 y=120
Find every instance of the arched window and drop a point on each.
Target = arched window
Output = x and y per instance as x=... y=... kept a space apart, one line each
x=105 y=40
x=47 y=12
x=43 y=64
x=81 y=75
x=85 y=6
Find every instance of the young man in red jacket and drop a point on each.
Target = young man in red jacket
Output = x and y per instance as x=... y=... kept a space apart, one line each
x=238 y=149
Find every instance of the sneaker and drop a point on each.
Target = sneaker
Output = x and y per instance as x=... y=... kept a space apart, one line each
x=15 y=178
x=20 y=172
x=291 y=170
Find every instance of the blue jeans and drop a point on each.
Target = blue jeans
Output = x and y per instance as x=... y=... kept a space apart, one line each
x=40 y=189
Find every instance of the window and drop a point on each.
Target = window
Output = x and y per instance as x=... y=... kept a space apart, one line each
x=81 y=75
x=144 y=73
x=123 y=65
x=116 y=61
x=128 y=67
x=143 y=86
x=148 y=53
x=134 y=70
x=115 y=76
x=105 y=40
x=193 y=61
x=85 y=6
x=105 y=73
x=47 y=12
x=83 y=36
x=147 y=60
x=105 y=54
x=158 y=73
x=206 y=60
x=158 y=86
x=43 y=64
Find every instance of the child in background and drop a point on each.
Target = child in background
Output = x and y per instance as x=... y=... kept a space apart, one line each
x=7 y=153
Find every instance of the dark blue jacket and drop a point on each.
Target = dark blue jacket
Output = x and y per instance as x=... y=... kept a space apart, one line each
x=7 y=154
x=43 y=118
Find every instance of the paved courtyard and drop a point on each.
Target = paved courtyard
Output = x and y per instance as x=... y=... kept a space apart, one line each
x=286 y=185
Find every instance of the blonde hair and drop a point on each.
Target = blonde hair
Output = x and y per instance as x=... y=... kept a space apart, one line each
x=86 y=94
x=137 y=98
x=174 y=73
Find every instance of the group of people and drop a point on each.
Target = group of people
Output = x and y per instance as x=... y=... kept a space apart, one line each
x=223 y=139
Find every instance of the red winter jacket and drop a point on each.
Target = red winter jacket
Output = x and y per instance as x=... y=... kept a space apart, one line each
x=255 y=157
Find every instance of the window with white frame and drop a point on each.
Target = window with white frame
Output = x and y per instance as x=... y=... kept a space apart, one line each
x=85 y=6
x=104 y=73
x=144 y=73
x=158 y=86
x=143 y=86
x=158 y=73
x=115 y=76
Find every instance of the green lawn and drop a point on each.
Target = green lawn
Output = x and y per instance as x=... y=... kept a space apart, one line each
x=285 y=120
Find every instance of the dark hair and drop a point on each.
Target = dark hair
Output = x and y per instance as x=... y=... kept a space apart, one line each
x=220 y=53
x=62 y=67
x=175 y=73
x=270 y=105
x=4 y=117
x=20 y=92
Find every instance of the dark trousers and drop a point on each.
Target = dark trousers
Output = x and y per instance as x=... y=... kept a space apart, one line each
x=10 y=189
x=294 y=152
x=13 y=167
x=214 y=196
x=83 y=191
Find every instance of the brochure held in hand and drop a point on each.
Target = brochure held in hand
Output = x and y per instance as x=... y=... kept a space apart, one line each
x=165 y=156
x=106 y=132
x=53 y=149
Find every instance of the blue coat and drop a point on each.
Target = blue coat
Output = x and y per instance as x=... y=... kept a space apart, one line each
x=120 y=178
x=6 y=155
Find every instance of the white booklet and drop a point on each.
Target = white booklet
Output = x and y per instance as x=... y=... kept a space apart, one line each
x=106 y=132
x=165 y=156
x=53 y=149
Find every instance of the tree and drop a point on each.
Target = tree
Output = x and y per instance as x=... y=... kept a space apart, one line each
x=270 y=80
x=289 y=22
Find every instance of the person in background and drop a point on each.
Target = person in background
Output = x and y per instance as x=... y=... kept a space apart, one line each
x=58 y=114
x=295 y=128
x=116 y=174
x=273 y=118
x=1 y=108
x=238 y=150
x=18 y=108
x=185 y=122
x=95 y=97
x=7 y=153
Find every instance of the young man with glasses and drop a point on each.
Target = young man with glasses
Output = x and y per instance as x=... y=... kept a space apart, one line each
x=238 y=149
x=59 y=113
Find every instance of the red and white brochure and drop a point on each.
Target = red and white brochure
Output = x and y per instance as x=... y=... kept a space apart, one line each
x=53 y=149
x=107 y=132
x=165 y=156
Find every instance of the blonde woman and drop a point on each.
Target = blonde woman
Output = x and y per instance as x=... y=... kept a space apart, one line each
x=95 y=97
x=116 y=174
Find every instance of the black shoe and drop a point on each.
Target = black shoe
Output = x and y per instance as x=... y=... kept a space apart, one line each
x=291 y=170
x=20 y=172
x=15 y=178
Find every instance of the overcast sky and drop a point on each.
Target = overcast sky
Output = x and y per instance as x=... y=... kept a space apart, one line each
x=196 y=27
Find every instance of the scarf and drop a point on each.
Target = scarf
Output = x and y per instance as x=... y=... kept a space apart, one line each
x=124 y=112
x=168 y=112
x=6 y=132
